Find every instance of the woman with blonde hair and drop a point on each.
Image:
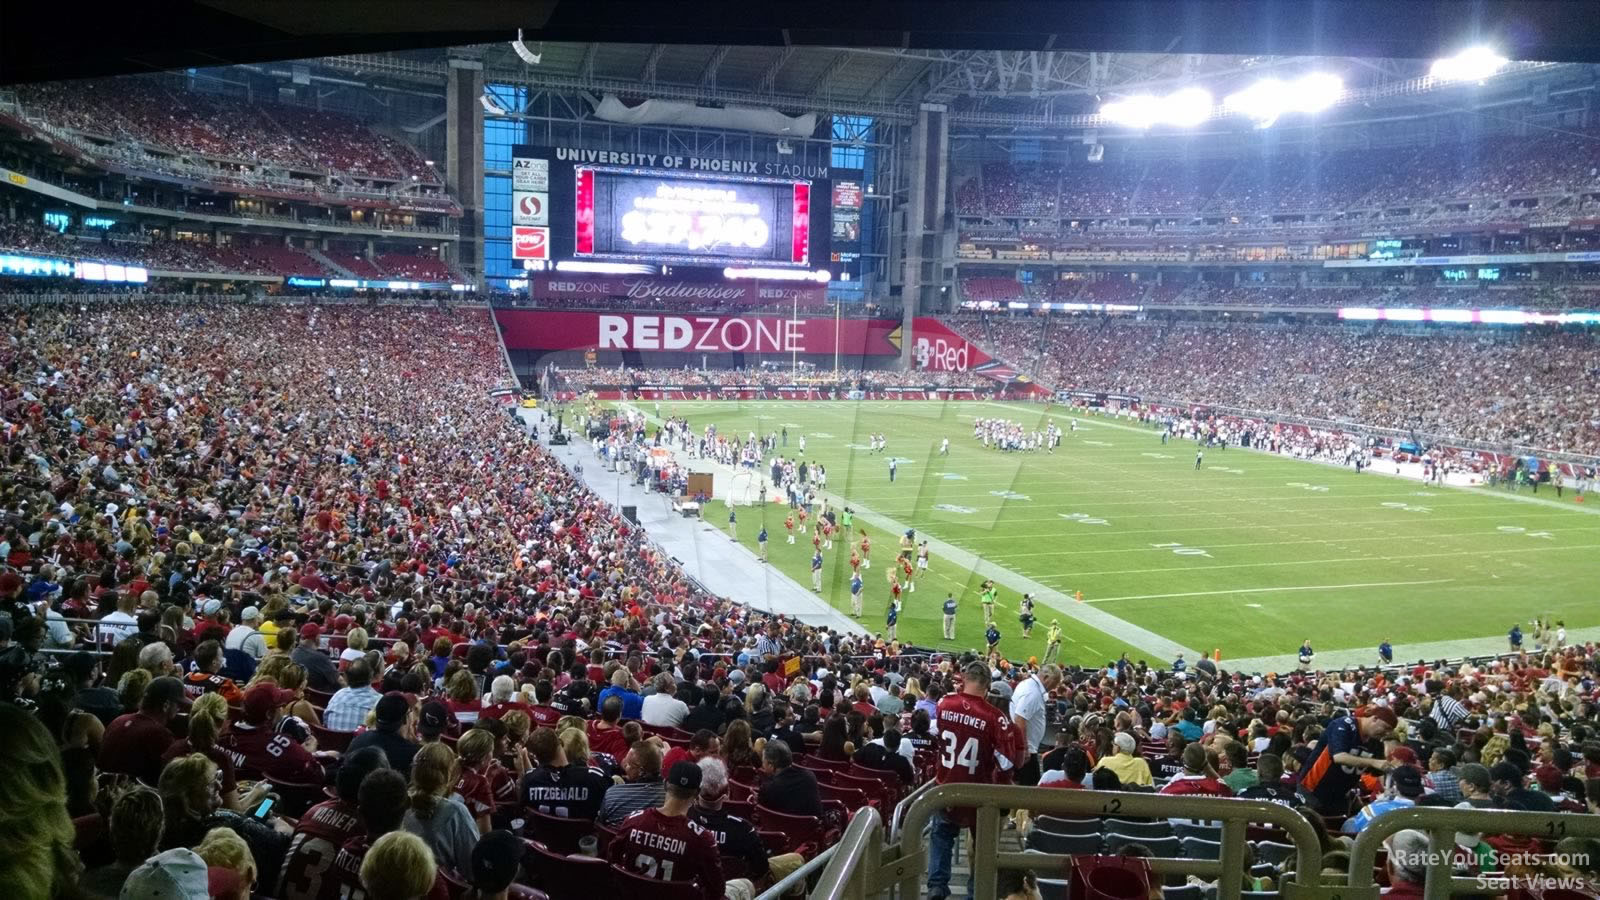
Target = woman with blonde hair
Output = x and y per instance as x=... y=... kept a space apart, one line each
x=399 y=866
x=224 y=849
x=191 y=796
x=39 y=860
x=208 y=721
x=130 y=689
x=461 y=697
x=435 y=814
x=355 y=646
x=575 y=744
x=291 y=676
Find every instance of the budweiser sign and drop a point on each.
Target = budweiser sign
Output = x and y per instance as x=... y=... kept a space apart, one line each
x=646 y=287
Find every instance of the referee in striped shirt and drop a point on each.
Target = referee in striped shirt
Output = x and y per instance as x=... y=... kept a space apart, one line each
x=1448 y=712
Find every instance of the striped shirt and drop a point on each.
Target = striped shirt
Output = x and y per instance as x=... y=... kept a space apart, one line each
x=1448 y=712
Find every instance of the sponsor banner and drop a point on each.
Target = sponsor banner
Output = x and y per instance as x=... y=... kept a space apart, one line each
x=530 y=242
x=530 y=208
x=558 y=286
x=554 y=330
x=530 y=174
x=936 y=348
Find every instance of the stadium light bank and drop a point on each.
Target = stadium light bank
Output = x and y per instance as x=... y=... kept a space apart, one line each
x=1270 y=98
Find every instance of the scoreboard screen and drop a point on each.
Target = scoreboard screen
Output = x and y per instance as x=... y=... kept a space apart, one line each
x=658 y=209
x=640 y=214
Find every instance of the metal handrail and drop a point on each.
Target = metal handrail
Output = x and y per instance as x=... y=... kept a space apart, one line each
x=1441 y=825
x=798 y=875
x=905 y=804
x=1235 y=815
x=855 y=857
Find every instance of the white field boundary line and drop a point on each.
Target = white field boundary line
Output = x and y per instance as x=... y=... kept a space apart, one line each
x=1475 y=491
x=1272 y=590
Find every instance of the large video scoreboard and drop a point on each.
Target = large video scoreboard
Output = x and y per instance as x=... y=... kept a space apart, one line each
x=571 y=203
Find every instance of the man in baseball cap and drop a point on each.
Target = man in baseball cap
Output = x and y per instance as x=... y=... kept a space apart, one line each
x=255 y=737
x=495 y=862
x=433 y=721
x=321 y=673
x=665 y=836
x=395 y=733
x=178 y=874
x=1349 y=743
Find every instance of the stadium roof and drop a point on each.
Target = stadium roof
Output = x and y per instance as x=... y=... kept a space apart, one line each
x=37 y=44
x=983 y=88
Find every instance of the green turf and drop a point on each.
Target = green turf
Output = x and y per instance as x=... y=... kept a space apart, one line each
x=1274 y=550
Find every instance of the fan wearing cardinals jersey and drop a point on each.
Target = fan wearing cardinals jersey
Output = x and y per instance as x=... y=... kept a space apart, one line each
x=664 y=844
x=975 y=746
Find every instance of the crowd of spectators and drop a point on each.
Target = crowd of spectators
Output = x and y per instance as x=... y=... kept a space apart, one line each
x=321 y=555
x=150 y=112
x=1491 y=169
x=1553 y=296
x=1528 y=389
x=265 y=257
x=416 y=267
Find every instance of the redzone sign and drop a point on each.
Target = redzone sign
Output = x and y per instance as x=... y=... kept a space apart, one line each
x=530 y=242
x=530 y=330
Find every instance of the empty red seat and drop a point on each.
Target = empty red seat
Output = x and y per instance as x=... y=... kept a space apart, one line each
x=330 y=739
x=566 y=877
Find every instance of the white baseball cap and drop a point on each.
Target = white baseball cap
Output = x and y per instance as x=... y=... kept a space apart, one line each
x=177 y=874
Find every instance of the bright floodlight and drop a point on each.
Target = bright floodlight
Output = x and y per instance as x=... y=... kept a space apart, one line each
x=1471 y=64
x=1186 y=107
x=1270 y=98
x=1189 y=106
x=1138 y=111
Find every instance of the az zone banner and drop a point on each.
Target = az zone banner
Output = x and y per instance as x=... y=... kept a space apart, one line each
x=540 y=330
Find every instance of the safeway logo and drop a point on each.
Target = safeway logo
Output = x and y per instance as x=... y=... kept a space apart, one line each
x=529 y=208
x=529 y=242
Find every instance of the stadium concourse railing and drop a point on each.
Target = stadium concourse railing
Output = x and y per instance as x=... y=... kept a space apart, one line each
x=863 y=864
x=1441 y=826
x=868 y=865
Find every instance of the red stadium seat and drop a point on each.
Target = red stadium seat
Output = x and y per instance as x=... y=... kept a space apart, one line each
x=565 y=877
x=329 y=739
x=629 y=884
x=559 y=833
x=801 y=834
x=294 y=798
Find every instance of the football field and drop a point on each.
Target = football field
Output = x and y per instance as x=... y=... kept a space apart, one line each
x=1251 y=553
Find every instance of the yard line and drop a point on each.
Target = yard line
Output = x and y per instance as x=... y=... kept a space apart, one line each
x=1308 y=587
x=1310 y=562
x=1098 y=531
x=1329 y=540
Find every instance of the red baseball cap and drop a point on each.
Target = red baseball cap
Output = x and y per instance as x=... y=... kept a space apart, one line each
x=1383 y=714
x=262 y=699
x=310 y=631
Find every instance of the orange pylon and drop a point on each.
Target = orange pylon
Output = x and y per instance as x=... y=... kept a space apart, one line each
x=1078 y=595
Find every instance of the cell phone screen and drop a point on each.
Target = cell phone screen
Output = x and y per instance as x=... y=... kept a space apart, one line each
x=264 y=810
